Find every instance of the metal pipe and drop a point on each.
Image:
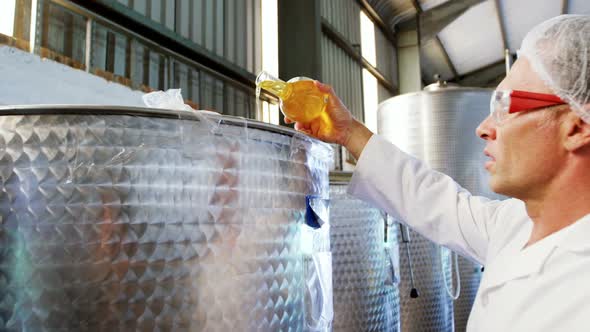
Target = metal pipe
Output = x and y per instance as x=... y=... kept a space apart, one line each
x=405 y=233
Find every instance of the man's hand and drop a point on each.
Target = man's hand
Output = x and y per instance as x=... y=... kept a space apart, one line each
x=341 y=128
x=334 y=128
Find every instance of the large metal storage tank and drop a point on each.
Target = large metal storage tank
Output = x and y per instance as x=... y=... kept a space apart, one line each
x=422 y=269
x=137 y=219
x=438 y=126
x=366 y=296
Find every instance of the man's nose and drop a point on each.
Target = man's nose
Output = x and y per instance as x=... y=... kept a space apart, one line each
x=487 y=129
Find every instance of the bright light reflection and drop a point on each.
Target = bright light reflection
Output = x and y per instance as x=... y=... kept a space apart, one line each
x=7 y=12
x=274 y=114
x=270 y=37
x=270 y=113
x=270 y=53
x=368 y=48
x=371 y=99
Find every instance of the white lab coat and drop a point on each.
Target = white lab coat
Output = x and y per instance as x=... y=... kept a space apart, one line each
x=545 y=287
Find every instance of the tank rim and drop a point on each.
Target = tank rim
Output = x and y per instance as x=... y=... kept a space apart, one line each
x=439 y=91
x=58 y=109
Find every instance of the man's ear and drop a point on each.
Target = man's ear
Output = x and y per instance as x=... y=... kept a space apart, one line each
x=577 y=132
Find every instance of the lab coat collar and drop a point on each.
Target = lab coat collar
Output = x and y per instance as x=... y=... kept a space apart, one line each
x=577 y=236
x=517 y=263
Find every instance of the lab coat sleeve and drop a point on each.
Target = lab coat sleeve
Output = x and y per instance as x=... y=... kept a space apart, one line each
x=428 y=201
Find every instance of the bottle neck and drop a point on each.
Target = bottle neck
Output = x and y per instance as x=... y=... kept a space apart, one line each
x=277 y=88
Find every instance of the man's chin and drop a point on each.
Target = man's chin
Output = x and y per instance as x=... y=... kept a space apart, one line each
x=504 y=189
x=496 y=186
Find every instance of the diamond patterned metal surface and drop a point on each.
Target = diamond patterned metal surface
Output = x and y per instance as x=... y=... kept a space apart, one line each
x=129 y=223
x=470 y=277
x=364 y=300
x=432 y=126
x=433 y=309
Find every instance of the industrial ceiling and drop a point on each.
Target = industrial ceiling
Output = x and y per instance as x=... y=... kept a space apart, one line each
x=465 y=40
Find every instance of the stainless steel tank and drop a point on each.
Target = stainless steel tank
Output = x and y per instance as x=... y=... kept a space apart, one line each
x=421 y=276
x=138 y=219
x=423 y=270
x=438 y=126
x=470 y=274
x=366 y=297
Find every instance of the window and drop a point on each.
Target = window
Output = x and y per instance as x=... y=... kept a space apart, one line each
x=15 y=23
x=68 y=33
x=370 y=83
x=111 y=52
x=181 y=78
x=118 y=54
x=64 y=35
x=139 y=65
x=157 y=71
x=370 y=99
x=368 y=48
x=194 y=93
x=270 y=58
x=7 y=15
x=270 y=37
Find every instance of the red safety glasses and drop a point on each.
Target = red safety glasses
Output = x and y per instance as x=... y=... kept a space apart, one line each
x=511 y=101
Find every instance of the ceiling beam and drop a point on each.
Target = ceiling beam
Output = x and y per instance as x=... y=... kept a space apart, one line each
x=447 y=58
x=502 y=24
x=351 y=51
x=434 y=20
x=486 y=76
x=378 y=20
x=564 y=6
x=436 y=39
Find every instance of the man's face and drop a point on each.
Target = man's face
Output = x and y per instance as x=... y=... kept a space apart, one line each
x=524 y=149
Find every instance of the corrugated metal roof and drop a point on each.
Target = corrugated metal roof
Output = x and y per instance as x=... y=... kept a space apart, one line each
x=476 y=39
x=477 y=29
x=393 y=11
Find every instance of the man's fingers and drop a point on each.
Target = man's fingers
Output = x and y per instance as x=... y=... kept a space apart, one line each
x=301 y=126
x=315 y=127
x=323 y=87
x=333 y=100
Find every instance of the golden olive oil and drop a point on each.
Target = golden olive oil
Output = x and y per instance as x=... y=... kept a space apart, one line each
x=301 y=100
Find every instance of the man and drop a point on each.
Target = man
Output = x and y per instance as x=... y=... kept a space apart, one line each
x=535 y=247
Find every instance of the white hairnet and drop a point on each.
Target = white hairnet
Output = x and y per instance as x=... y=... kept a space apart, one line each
x=559 y=52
